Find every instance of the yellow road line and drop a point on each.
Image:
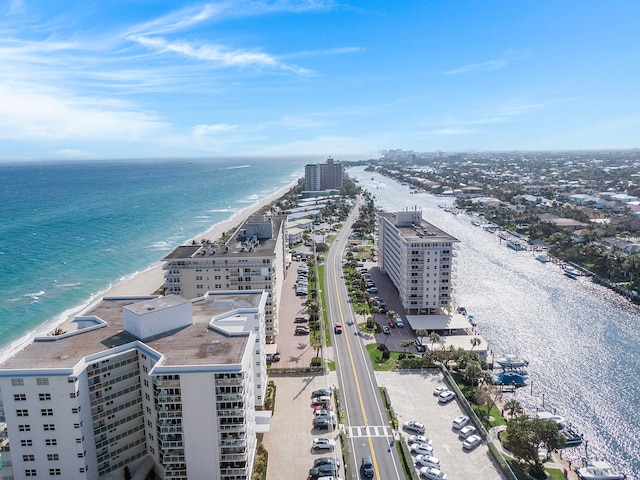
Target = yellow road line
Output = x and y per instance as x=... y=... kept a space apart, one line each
x=355 y=375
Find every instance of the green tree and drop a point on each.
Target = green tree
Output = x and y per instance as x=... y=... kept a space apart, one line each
x=421 y=333
x=513 y=407
x=473 y=373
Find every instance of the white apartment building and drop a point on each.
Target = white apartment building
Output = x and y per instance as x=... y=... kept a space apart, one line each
x=144 y=383
x=251 y=259
x=417 y=257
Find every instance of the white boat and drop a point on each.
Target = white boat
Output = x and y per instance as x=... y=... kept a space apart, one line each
x=571 y=272
x=600 y=470
x=542 y=258
x=511 y=361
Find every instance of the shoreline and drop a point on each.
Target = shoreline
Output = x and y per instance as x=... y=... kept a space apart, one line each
x=143 y=282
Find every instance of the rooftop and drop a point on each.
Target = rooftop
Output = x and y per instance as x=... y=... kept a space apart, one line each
x=195 y=344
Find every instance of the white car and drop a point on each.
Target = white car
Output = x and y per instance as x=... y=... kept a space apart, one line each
x=324 y=413
x=446 y=396
x=439 y=389
x=471 y=442
x=421 y=448
x=460 y=421
x=413 y=426
x=419 y=439
x=323 y=444
x=432 y=473
x=427 y=461
x=399 y=323
x=466 y=431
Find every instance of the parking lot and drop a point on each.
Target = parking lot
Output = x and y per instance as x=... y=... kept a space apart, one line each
x=412 y=399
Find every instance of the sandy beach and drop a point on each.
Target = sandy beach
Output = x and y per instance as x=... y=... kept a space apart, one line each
x=147 y=282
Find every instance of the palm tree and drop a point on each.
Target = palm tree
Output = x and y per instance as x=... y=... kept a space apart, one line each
x=421 y=332
x=435 y=338
x=513 y=407
x=406 y=344
x=475 y=341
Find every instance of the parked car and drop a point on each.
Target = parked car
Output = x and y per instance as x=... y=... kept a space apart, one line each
x=439 y=389
x=466 y=431
x=324 y=423
x=300 y=320
x=337 y=329
x=367 y=466
x=323 y=413
x=421 y=448
x=323 y=392
x=460 y=421
x=419 y=347
x=471 y=442
x=413 y=426
x=419 y=439
x=386 y=330
x=427 y=461
x=323 y=470
x=432 y=473
x=399 y=323
x=326 y=460
x=446 y=396
x=302 y=331
x=323 y=444
x=392 y=324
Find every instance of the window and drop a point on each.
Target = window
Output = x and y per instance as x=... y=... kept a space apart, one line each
x=50 y=442
x=49 y=427
x=28 y=458
x=54 y=472
x=17 y=382
x=22 y=413
x=24 y=428
x=46 y=412
x=42 y=381
x=80 y=455
x=77 y=425
x=44 y=396
x=30 y=473
x=26 y=443
x=75 y=410
x=53 y=457
x=19 y=397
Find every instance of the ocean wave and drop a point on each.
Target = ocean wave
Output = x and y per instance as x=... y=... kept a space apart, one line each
x=237 y=167
x=35 y=296
x=69 y=285
x=221 y=210
x=202 y=216
x=160 y=246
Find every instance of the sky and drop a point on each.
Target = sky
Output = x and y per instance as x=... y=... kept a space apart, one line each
x=108 y=79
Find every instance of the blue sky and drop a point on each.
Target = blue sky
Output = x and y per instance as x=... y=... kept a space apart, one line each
x=146 y=78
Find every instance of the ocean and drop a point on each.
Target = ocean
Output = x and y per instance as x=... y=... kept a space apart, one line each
x=70 y=230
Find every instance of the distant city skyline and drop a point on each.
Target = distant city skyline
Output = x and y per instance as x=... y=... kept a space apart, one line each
x=347 y=80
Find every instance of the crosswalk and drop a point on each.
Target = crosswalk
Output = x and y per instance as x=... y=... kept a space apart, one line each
x=369 y=431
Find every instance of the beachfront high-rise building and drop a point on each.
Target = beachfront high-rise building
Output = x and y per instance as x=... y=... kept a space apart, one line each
x=417 y=257
x=146 y=383
x=253 y=258
x=323 y=176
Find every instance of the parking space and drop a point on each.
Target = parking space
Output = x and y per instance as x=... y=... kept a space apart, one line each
x=412 y=399
x=291 y=436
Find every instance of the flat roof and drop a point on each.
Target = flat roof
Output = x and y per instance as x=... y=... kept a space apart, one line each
x=424 y=232
x=194 y=344
x=454 y=321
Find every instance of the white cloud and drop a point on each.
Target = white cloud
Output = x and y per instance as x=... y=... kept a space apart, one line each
x=34 y=112
x=217 y=54
x=478 y=67
x=202 y=130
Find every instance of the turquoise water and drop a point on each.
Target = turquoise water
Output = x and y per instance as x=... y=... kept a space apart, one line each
x=70 y=230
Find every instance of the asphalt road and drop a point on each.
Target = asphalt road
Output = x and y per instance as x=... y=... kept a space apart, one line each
x=366 y=422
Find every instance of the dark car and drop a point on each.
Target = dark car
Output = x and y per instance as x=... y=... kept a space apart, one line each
x=326 y=460
x=367 y=466
x=419 y=347
x=323 y=392
x=324 y=423
x=324 y=470
x=300 y=320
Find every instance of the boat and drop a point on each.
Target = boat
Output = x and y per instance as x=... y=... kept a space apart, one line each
x=600 y=470
x=511 y=378
x=514 y=245
x=572 y=437
x=571 y=272
x=472 y=320
x=511 y=361
x=542 y=258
